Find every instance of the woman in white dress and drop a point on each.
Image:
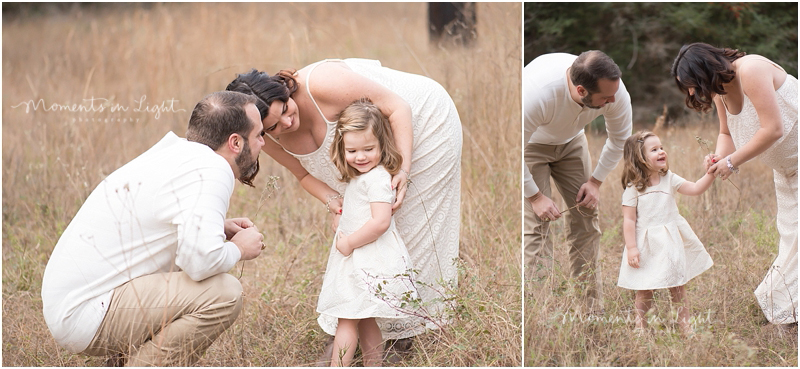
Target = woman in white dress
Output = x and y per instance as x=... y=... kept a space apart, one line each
x=299 y=111
x=756 y=101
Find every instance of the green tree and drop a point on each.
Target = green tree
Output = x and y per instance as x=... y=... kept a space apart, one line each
x=644 y=38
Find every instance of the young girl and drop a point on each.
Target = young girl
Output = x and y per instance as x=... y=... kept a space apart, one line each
x=661 y=250
x=368 y=251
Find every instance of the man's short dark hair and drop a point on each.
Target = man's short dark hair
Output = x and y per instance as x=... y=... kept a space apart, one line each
x=219 y=115
x=590 y=66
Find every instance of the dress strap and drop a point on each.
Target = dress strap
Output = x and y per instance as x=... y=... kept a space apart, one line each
x=275 y=141
x=308 y=88
x=771 y=62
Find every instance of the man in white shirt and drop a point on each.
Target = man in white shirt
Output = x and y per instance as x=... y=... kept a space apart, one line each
x=562 y=93
x=140 y=273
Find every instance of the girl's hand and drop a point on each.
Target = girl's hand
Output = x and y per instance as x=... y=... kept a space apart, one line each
x=710 y=160
x=633 y=257
x=343 y=245
x=399 y=183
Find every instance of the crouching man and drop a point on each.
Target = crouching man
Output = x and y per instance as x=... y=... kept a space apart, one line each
x=140 y=272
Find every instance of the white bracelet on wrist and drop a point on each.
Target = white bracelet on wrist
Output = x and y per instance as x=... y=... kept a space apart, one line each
x=408 y=176
x=330 y=198
x=730 y=165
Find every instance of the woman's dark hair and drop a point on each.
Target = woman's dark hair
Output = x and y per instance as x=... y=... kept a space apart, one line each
x=705 y=68
x=265 y=88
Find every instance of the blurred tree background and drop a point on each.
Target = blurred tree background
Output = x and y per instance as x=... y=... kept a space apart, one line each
x=644 y=38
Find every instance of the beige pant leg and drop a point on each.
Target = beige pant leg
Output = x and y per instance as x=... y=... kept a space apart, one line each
x=538 y=246
x=167 y=319
x=570 y=172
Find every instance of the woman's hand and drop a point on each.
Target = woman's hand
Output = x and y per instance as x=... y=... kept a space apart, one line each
x=720 y=169
x=343 y=245
x=335 y=204
x=633 y=257
x=399 y=183
x=335 y=223
x=710 y=160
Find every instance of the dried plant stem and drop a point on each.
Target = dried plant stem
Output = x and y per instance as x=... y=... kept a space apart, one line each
x=576 y=205
x=707 y=145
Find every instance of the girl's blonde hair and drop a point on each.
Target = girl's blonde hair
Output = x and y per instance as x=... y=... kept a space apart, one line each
x=636 y=170
x=360 y=116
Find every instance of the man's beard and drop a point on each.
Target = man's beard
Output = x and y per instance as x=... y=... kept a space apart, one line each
x=248 y=167
x=587 y=101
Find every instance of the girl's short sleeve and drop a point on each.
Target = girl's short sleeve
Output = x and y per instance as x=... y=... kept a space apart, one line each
x=675 y=181
x=630 y=197
x=379 y=185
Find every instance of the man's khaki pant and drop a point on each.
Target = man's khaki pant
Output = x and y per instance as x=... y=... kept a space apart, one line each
x=570 y=167
x=167 y=319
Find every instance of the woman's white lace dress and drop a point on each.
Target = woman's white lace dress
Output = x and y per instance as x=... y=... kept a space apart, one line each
x=777 y=293
x=429 y=219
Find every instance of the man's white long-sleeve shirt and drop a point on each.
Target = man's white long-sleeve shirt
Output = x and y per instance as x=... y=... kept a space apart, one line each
x=163 y=211
x=553 y=118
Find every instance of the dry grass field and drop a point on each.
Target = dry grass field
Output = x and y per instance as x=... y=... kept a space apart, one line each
x=158 y=60
x=737 y=228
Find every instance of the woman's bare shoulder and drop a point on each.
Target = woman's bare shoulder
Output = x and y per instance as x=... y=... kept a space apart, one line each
x=754 y=63
x=753 y=70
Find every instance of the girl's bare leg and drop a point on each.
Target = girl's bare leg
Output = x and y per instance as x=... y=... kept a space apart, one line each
x=642 y=303
x=371 y=342
x=681 y=303
x=345 y=342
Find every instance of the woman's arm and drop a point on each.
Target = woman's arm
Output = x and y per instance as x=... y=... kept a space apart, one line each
x=756 y=81
x=334 y=87
x=312 y=185
x=724 y=145
x=696 y=188
x=370 y=231
x=629 y=234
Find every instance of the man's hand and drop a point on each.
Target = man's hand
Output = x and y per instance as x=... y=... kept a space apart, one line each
x=250 y=242
x=234 y=225
x=589 y=194
x=544 y=207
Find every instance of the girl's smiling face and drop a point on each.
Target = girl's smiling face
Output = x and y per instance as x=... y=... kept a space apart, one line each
x=654 y=154
x=361 y=150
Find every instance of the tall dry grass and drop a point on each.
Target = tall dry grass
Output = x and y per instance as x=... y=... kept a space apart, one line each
x=738 y=230
x=122 y=53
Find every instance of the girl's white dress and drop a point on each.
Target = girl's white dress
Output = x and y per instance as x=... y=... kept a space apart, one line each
x=430 y=217
x=670 y=254
x=376 y=278
x=777 y=293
